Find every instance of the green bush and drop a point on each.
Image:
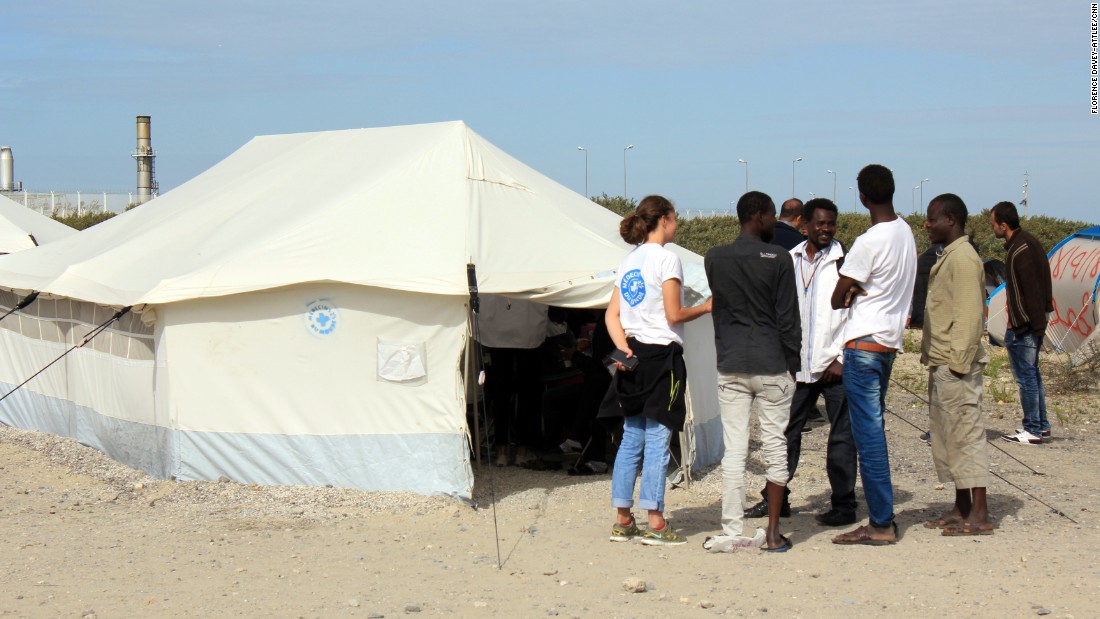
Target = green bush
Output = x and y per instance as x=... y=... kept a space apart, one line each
x=86 y=220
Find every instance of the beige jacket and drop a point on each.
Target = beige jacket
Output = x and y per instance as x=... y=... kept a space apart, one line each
x=954 y=318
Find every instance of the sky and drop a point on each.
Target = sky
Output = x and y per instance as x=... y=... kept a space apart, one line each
x=969 y=95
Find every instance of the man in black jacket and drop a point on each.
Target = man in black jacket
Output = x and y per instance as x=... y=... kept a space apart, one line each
x=758 y=335
x=1028 y=291
x=788 y=230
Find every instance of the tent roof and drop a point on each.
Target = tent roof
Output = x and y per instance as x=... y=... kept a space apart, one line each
x=18 y=223
x=397 y=207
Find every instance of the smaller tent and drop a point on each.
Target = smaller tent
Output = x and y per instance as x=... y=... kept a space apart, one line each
x=1075 y=275
x=22 y=228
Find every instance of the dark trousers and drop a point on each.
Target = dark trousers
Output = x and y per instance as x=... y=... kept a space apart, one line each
x=840 y=454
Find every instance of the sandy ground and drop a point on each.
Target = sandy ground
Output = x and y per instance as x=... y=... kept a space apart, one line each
x=87 y=537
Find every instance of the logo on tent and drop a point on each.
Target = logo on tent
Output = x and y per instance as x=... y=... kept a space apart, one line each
x=633 y=287
x=321 y=317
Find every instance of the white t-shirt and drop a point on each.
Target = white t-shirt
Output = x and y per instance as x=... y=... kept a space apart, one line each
x=884 y=261
x=641 y=300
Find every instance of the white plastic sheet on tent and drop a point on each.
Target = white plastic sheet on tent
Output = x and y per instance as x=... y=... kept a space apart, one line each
x=22 y=228
x=1075 y=275
x=304 y=310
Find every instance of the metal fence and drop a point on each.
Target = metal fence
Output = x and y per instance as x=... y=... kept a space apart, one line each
x=694 y=213
x=71 y=203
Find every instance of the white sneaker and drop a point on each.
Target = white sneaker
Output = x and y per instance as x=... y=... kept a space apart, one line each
x=1024 y=437
x=1044 y=433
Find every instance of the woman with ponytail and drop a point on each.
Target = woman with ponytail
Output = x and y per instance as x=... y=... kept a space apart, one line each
x=645 y=319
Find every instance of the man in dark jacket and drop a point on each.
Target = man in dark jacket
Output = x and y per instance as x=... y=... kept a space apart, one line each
x=1028 y=290
x=758 y=336
x=788 y=229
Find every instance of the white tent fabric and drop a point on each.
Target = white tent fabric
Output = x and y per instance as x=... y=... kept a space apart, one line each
x=1075 y=275
x=22 y=228
x=304 y=308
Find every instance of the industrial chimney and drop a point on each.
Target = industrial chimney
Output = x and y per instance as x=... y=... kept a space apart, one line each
x=145 y=156
x=7 y=169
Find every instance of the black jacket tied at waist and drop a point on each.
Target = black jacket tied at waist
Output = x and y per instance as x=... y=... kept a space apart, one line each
x=654 y=389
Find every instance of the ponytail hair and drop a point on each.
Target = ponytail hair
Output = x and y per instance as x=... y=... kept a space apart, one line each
x=636 y=226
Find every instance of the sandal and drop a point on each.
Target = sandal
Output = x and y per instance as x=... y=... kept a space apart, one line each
x=943 y=522
x=862 y=536
x=969 y=528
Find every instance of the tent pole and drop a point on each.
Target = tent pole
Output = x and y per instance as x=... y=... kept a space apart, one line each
x=475 y=309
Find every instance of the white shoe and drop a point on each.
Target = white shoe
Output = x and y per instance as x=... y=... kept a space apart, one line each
x=1024 y=437
x=1044 y=433
x=732 y=543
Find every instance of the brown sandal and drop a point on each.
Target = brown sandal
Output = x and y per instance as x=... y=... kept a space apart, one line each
x=862 y=536
x=943 y=522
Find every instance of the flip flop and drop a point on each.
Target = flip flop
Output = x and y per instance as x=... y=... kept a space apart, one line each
x=968 y=528
x=862 y=536
x=787 y=545
x=943 y=522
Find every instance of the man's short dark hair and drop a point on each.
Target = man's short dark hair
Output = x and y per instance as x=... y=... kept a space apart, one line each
x=752 y=203
x=1005 y=213
x=822 y=203
x=790 y=208
x=876 y=183
x=952 y=206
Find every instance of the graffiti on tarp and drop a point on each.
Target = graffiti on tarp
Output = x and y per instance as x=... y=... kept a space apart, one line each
x=1076 y=261
x=1075 y=319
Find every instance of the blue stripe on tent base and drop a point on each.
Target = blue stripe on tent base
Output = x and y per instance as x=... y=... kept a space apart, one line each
x=422 y=463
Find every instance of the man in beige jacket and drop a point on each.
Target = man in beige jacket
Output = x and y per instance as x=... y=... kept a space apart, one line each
x=952 y=350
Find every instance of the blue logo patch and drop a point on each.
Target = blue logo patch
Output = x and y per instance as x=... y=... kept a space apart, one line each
x=321 y=317
x=633 y=288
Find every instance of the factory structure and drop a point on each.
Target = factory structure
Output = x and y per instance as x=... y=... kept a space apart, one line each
x=48 y=202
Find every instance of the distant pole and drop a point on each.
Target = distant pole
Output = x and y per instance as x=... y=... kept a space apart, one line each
x=853 y=198
x=914 y=195
x=746 y=173
x=1024 y=201
x=922 y=205
x=792 y=175
x=834 y=184
x=630 y=146
x=585 y=169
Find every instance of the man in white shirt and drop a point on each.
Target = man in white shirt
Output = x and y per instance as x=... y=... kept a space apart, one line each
x=876 y=284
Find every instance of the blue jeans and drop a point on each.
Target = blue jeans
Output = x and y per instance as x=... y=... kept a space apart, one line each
x=645 y=446
x=866 y=376
x=1023 y=354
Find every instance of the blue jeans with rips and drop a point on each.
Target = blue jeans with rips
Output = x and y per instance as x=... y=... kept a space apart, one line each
x=866 y=377
x=1023 y=355
x=644 y=445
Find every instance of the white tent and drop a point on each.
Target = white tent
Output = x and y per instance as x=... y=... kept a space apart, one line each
x=22 y=228
x=1075 y=275
x=300 y=310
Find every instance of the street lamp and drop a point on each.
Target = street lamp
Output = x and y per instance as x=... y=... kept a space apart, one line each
x=746 y=173
x=629 y=146
x=792 y=174
x=914 y=196
x=834 y=184
x=853 y=189
x=922 y=192
x=585 y=169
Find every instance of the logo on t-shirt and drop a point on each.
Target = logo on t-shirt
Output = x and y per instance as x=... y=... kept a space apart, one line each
x=765 y=254
x=633 y=287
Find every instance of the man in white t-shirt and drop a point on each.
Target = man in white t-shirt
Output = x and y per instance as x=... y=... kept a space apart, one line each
x=876 y=284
